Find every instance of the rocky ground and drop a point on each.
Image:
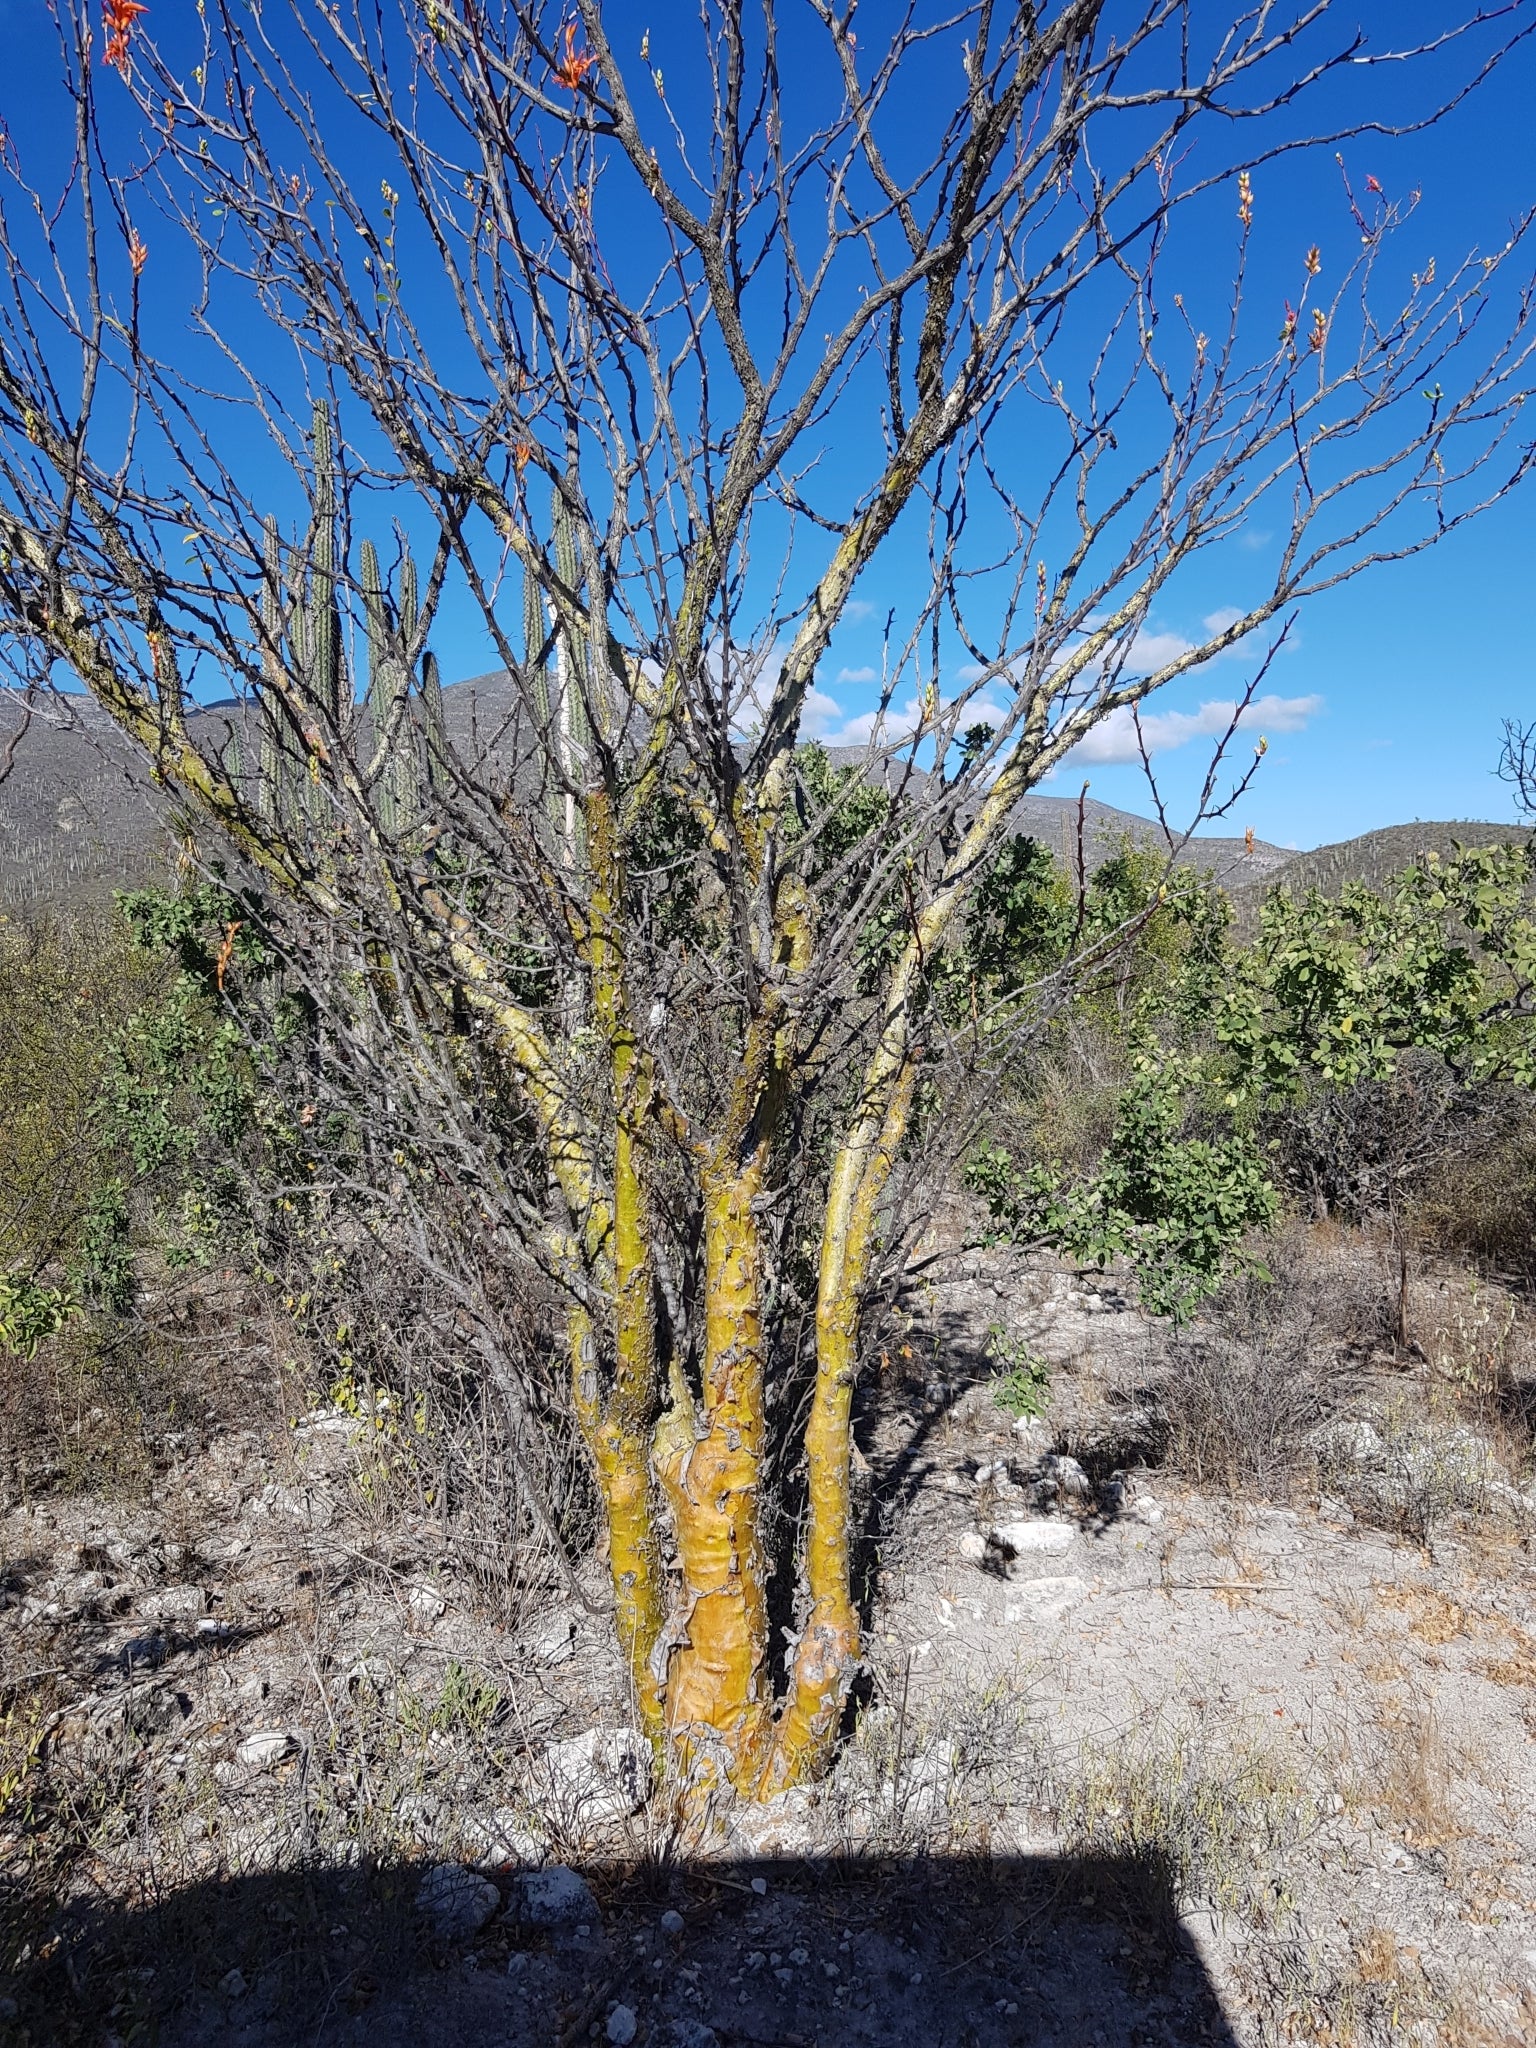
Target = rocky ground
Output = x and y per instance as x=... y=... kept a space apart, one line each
x=1137 y=1760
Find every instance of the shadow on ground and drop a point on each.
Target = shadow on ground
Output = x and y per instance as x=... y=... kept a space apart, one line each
x=924 y=1952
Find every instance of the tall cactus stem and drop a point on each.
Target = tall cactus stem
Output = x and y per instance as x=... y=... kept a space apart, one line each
x=325 y=675
x=388 y=737
x=268 y=713
x=408 y=602
x=435 y=721
x=534 y=637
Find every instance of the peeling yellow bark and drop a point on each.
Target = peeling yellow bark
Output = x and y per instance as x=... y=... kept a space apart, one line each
x=828 y=1650
x=827 y=1653
x=616 y=1436
x=616 y=1419
x=719 y=1710
x=717 y=1697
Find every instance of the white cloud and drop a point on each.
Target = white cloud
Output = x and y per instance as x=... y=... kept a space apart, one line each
x=822 y=715
x=825 y=721
x=1224 y=616
x=1114 y=740
x=1154 y=647
x=857 y=610
x=857 y=675
x=1151 y=650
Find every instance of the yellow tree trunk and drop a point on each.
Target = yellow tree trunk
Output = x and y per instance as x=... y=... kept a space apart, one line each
x=828 y=1651
x=827 y=1654
x=616 y=1410
x=710 y=1463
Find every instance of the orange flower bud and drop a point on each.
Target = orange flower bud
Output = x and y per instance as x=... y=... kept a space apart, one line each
x=118 y=17
x=575 y=64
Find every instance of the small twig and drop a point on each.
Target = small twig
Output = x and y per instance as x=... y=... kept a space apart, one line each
x=13 y=1685
x=901 y=1726
x=1194 y=1586
x=577 y=2028
x=1082 y=866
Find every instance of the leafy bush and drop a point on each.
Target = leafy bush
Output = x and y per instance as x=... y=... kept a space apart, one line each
x=128 y=1097
x=1176 y=1206
x=1345 y=1055
x=129 y=1094
x=1023 y=1385
x=64 y=992
x=29 y=1312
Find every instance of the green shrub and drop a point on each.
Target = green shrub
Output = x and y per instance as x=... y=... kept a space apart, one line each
x=1023 y=1384
x=30 y=1312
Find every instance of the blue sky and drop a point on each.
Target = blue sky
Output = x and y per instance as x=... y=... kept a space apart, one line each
x=1386 y=705
x=1392 y=689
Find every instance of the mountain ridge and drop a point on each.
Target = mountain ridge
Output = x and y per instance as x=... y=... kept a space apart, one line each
x=80 y=816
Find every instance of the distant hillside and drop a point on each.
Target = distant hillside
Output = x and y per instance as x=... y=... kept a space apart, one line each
x=1374 y=857
x=79 y=816
x=1053 y=820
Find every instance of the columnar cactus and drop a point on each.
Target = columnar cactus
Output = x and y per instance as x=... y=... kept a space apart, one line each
x=401 y=723
x=307 y=677
x=574 y=663
x=279 y=791
x=396 y=784
x=324 y=612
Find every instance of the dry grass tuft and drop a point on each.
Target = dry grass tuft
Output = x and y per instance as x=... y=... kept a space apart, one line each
x=1378 y=1993
x=1434 y=1618
x=1215 y=1819
x=1413 y=1775
x=1517 y=1669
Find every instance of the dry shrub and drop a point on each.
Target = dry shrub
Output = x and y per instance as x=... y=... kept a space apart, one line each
x=1412 y=1775
x=1482 y=1201
x=1243 y=1394
x=1215 y=1817
x=1418 y=1473
x=108 y=1403
x=1238 y=1418
x=463 y=1395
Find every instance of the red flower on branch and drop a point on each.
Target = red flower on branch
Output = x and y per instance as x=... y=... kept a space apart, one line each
x=118 y=17
x=575 y=64
x=1373 y=184
x=138 y=251
x=226 y=953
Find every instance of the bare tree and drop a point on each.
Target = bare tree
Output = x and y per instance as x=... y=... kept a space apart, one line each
x=646 y=352
x=1517 y=764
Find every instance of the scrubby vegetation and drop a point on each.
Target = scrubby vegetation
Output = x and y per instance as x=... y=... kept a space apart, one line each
x=1197 y=1104
x=1304 y=1152
x=565 y=1281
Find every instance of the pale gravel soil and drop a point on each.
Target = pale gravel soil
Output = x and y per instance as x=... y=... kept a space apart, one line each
x=1348 y=1712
